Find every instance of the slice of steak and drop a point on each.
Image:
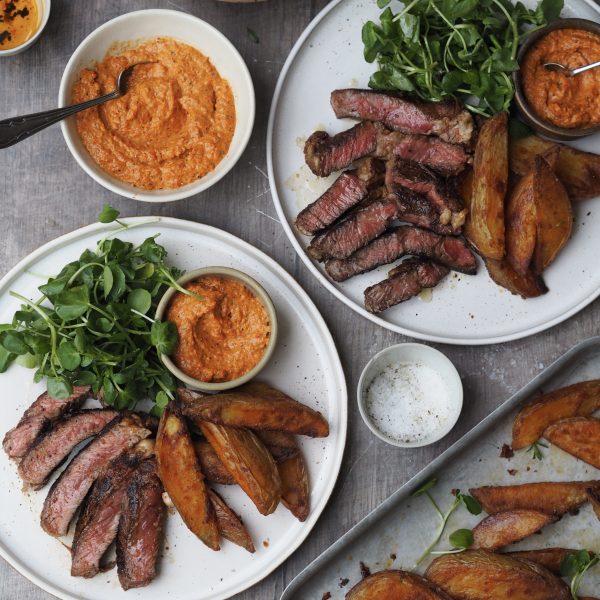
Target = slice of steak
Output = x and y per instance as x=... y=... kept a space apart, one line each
x=38 y=416
x=141 y=528
x=98 y=520
x=325 y=154
x=448 y=120
x=423 y=181
x=404 y=282
x=447 y=159
x=70 y=489
x=54 y=445
x=416 y=209
x=401 y=241
x=347 y=191
x=371 y=171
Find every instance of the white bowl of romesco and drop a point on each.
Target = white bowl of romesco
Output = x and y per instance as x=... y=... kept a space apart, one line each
x=225 y=339
x=186 y=119
x=410 y=395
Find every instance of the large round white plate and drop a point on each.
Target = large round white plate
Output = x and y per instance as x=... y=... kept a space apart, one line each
x=305 y=364
x=463 y=310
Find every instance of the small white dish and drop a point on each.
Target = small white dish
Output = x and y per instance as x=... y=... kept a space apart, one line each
x=415 y=356
x=145 y=24
x=43 y=16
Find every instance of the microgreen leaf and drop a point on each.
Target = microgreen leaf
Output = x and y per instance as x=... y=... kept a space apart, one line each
x=140 y=300
x=461 y=538
x=59 y=387
x=163 y=335
x=470 y=503
x=536 y=450
x=108 y=214
x=425 y=487
x=69 y=357
x=575 y=565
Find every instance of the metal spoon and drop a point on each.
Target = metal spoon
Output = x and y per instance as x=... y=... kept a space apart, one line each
x=570 y=72
x=16 y=129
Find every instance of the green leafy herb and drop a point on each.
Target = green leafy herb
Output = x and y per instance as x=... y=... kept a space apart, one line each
x=252 y=36
x=108 y=214
x=437 y=49
x=575 y=565
x=536 y=450
x=461 y=539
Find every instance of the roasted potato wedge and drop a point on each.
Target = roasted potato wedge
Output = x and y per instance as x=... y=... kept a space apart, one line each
x=577 y=400
x=553 y=498
x=482 y=575
x=240 y=409
x=578 y=171
x=212 y=467
x=579 y=436
x=484 y=226
x=230 y=525
x=549 y=558
x=396 y=585
x=295 y=494
x=504 y=528
x=182 y=478
x=248 y=462
x=526 y=286
x=280 y=444
x=594 y=498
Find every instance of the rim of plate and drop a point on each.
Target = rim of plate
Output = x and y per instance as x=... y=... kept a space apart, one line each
x=195 y=187
x=466 y=341
x=321 y=326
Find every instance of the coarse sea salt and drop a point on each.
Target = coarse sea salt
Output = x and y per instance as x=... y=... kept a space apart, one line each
x=408 y=402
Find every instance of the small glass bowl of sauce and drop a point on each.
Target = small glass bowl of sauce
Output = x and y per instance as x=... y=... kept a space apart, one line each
x=21 y=24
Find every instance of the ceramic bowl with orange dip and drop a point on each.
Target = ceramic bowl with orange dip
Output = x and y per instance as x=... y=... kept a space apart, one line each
x=551 y=102
x=227 y=330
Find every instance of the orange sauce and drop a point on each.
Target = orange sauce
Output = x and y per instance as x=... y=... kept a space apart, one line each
x=19 y=20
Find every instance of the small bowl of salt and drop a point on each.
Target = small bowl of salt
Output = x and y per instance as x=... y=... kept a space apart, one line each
x=410 y=395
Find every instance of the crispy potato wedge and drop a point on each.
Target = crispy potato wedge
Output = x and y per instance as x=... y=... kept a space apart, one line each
x=553 y=498
x=579 y=436
x=549 y=558
x=578 y=171
x=554 y=215
x=594 y=498
x=482 y=575
x=484 y=226
x=577 y=400
x=526 y=286
x=212 y=467
x=295 y=494
x=248 y=462
x=230 y=525
x=396 y=585
x=182 y=478
x=504 y=528
x=280 y=444
x=240 y=409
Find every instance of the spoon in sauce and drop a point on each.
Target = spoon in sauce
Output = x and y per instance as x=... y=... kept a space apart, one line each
x=570 y=72
x=16 y=129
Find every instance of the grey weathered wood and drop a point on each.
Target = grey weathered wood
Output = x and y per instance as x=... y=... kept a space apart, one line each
x=43 y=194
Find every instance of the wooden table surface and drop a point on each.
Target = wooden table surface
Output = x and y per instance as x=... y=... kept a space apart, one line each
x=44 y=194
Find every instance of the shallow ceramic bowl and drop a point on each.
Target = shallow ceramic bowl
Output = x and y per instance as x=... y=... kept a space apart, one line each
x=413 y=353
x=528 y=115
x=141 y=25
x=258 y=291
x=44 y=14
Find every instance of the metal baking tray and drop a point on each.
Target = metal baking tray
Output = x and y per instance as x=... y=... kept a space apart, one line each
x=394 y=534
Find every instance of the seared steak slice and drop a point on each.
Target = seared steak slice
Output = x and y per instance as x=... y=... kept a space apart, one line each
x=52 y=447
x=448 y=120
x=70 y=489
x=140 y=528
x=37 y=417
x=371 y=171
x=347 y=191
x=421 y=180
x=404 y=282
x=445 y=158
x=98 y=520
x=325 y=154
x=400 y=241
x=416 y=209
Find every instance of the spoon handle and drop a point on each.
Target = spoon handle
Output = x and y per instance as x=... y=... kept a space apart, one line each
x=16 y=129
x=585 y=68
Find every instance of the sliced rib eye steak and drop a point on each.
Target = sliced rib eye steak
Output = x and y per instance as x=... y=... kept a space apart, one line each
x=54 y=446
x=416 y=209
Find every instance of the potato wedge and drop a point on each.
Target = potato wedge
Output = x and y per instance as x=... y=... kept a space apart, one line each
x=526 y=286
x=482 y=575
x=484 y=226
x=230 y=525
x=239 y=409
x=577 y=400
x=280 y=444
x=594 y=498
x=578 y=171
x=212 y=467
x=549 y=558
x=182 y=478
x=553 y=498
x=579 y=436
x=554 y=215
x=248 y=462
x=396 y=585
x=504 y=528
x=295 y=494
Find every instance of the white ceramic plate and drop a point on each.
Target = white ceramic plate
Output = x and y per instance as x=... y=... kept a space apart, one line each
x=305 y=364
x=464 y=310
